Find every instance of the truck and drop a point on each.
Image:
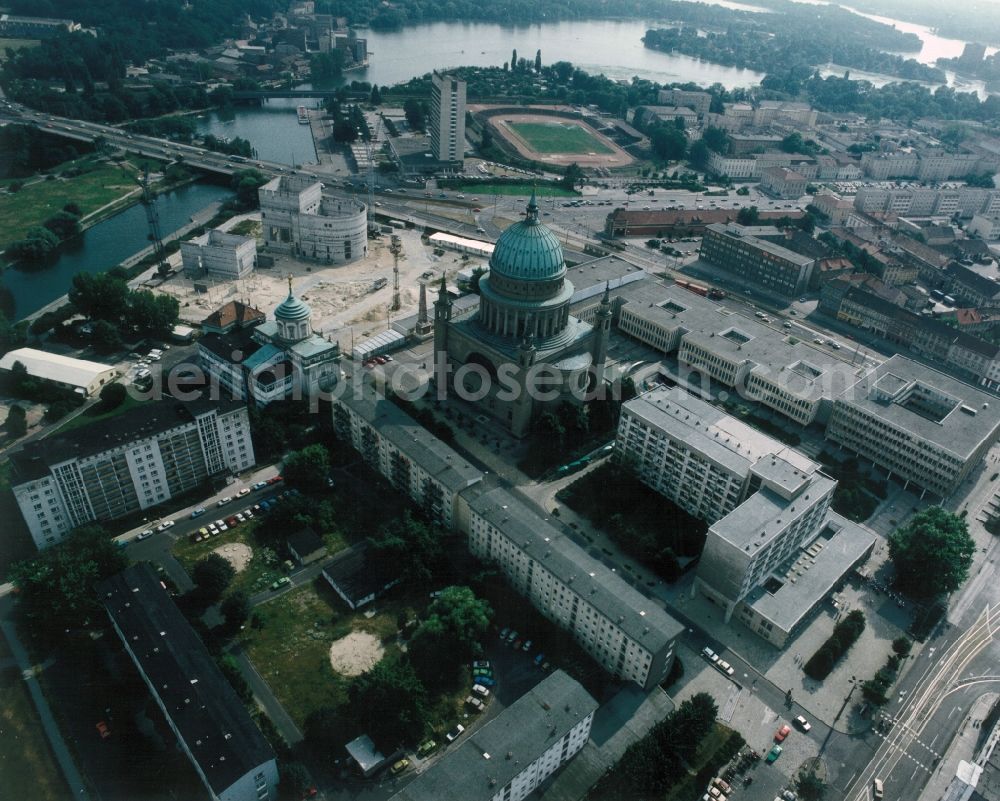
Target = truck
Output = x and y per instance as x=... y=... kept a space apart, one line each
x=706 y=292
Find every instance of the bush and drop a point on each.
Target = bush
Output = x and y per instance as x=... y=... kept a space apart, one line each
x=845 y=634
x=112 y=396
x=902 y=646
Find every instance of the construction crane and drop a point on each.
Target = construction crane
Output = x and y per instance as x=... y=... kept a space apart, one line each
x=396 y=249
x=153 y=222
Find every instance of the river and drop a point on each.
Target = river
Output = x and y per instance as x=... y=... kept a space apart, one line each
x=26 y=290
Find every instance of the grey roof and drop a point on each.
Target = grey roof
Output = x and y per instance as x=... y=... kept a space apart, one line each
x=974 y=418
x=734 y=231
x=492 y=756
x=411 y=438
x=639 y=617
x=807 y=578
x=717 y=436
x=972 y=279
x=206 y=713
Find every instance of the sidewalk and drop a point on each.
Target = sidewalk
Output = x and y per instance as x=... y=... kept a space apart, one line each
x=962 y=747
x=56 y=741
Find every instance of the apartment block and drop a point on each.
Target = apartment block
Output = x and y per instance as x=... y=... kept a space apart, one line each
x=447 y=118
x=211 y=724
x=701 y=102
x=763 y=263
x=628 y=635
x=927 y=428
x=404 y=452
x=299 y=220
x=510 y=756
x=124 y=464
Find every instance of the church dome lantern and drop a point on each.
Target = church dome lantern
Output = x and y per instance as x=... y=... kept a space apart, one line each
x=293 y=316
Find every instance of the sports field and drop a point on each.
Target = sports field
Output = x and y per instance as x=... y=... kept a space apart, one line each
x=559 y=137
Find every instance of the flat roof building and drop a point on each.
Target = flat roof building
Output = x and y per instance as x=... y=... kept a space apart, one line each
x=626 y=633
x=82 y=376
x=220 y=255
x=758 y=261
x=212 y=726
x=446 y=121
x=919 y=424
x=399 y=448
x=129 y=462
x=510 y=756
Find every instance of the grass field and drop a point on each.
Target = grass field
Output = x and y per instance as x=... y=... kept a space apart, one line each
x=27 y=767
x=38 y=200
x=551 y=137
x=15 y=44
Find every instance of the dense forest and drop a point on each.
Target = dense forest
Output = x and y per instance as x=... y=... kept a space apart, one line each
x=976 y=20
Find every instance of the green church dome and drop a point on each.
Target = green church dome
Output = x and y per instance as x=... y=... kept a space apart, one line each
x=528 y=250
x=291 y=308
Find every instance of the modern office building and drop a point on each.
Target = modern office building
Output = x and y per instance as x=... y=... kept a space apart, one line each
x=216 y=254
x=510 y=756
x=298 y=219
x=399 y=448
x=83 y=377
x=631 y=637
x=927 y=428
x=123 y=464
x=212 y=726
x=447 y=118
x=273 y=360
x=759 y=261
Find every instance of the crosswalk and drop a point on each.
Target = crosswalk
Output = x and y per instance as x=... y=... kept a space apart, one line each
x=931 y=756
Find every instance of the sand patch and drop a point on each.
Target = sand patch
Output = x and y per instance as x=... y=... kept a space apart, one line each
x=237 y=554
x=356 y=653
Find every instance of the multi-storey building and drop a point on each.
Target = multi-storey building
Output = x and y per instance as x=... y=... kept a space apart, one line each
x=783 y=183
x=701 y=102
x=410 y=457
x=986 y=227
x=510 y=756
x=121 y=465
x=273 y=360
x=13 y=26
x=765 y=264
x=211 y=724
x=447 y=118
x=929 y=429
x=965 y=201
x=298 y=219
x=766 y=505
x=630 y=637
x=217 y=254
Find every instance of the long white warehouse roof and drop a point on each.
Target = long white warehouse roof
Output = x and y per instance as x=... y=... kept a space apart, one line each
x=55 y=367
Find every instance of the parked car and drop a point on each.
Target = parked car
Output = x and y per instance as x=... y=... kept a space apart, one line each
x=512 y=636
x=802 y=723
x=454 y=733
x=503 y=633
x=722 y=784
x=773 y=754
x=284 y=581
x=426 y=747
x=877 y=790
x=145 y=534
x=224 y=501
x=479 y=689
x=539 y=659
x=710 y=655
x=486 y=681
x=400 y=766
x=231 y=521
x=481 y=663
x=197 y=512
x=475 y=703
x=725 y=667
x=782 y=733
x=103 y=730
x=482 y=672
x=527 y=646
x=260 y=485
x=242 y=492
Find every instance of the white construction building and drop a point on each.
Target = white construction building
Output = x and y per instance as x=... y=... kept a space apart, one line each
x=217 y=254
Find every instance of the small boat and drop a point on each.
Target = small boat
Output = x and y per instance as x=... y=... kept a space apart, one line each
x=303 y=115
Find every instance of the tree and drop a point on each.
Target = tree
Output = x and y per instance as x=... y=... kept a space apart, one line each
x=715 y=139
x=38 y=243
x=450 y=635
x=932 y=553
x=246 y=183
x=105 y=338
x=390 y=703
x=99 y=296
x=16 y=422
x=669 y=142
x=236 y=610
x=572 y=176
x=414 y=111
x=513 y=60
x=902 y=646
x=308 y=469
x=213 y=575
x=148 y=314
x=63 y=224
x=409 y=548
x=748 y=215
x=56 y=588
x=810 y=786
x=538 y=61
x=113 y=395
x=376 y=96
x=699 y=154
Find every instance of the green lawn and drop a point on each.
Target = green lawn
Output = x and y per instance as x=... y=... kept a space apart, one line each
x=38 y=200
x=544 y=190
x=559 y=137
x=27 y=767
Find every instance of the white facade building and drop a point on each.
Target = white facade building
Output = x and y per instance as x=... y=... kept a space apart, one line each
x=510 y=756
x=298 y=219
x=985 y=227
x=83 y=377
x=629 y=636
x=218 y=254
x=127 y=463
x=447 y=118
